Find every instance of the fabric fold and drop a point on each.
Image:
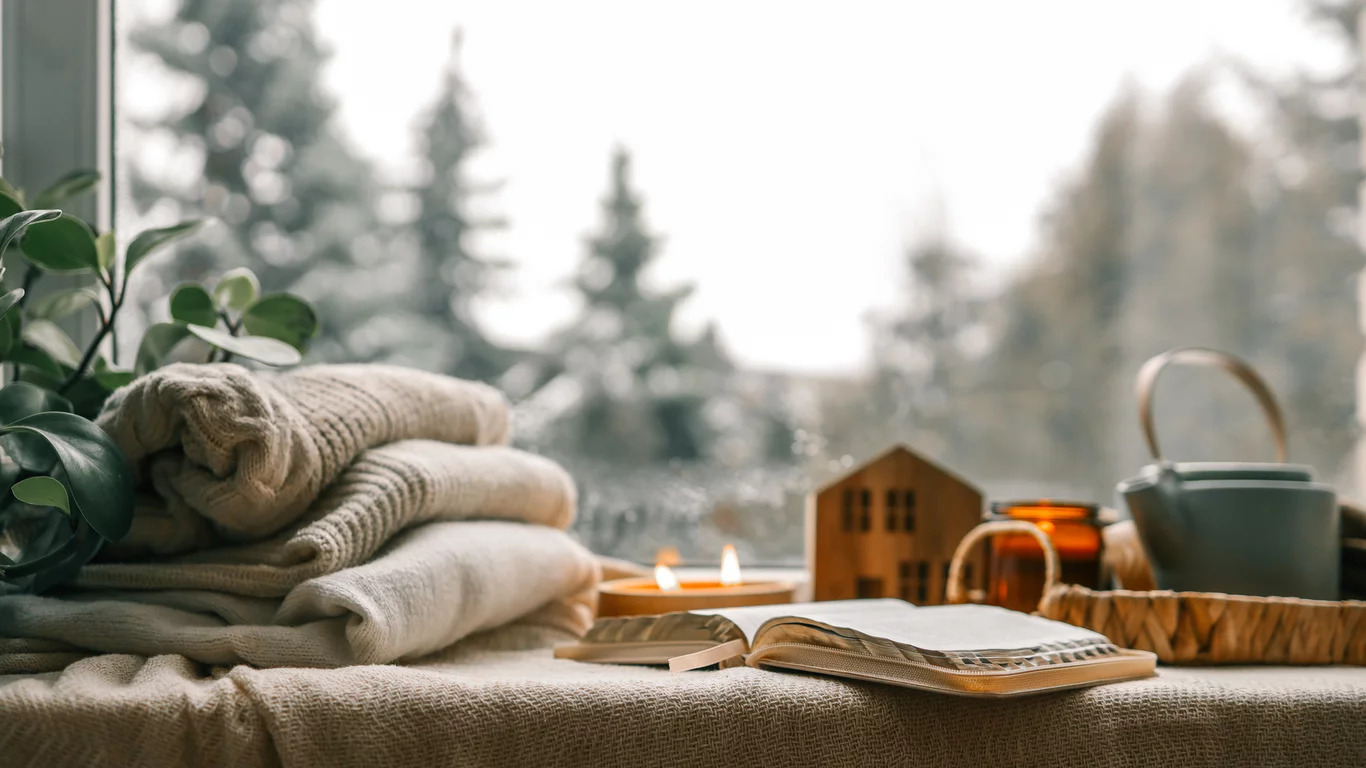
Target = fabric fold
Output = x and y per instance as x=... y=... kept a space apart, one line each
x=385 y=491
x=429 y=588
x=236 y=455
x=323 y=517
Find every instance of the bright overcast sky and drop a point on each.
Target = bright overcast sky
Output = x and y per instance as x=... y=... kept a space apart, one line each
x=784 y=148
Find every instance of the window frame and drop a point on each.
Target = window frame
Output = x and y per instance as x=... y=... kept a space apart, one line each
x=59 y=47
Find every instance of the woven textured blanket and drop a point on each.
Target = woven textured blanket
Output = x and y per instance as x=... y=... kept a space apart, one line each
x=473 y=706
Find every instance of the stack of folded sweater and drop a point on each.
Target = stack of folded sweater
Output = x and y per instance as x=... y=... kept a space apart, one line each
x=327 y=516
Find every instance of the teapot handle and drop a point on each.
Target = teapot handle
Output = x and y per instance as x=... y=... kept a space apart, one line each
x=1147 y=382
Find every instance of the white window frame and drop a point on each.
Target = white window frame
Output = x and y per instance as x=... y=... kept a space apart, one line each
x=56 y=104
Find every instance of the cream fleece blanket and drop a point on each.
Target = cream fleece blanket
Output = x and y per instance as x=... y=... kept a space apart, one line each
x=297 y=543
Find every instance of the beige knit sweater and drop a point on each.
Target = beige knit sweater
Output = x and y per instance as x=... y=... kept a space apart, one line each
x=236 y=455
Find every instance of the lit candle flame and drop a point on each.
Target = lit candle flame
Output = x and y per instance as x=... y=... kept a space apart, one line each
x=665 y=578
x=730 y=566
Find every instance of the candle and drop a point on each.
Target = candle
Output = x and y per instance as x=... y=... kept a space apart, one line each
x=665 y=593
x=1016 y=562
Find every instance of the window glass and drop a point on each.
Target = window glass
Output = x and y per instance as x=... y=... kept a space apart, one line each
x=717 y=254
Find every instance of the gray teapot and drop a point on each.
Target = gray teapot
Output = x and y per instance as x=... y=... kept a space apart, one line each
x=1239 y=528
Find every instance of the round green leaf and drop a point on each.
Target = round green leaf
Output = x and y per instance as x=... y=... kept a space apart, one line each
x=45 y=335
x=30 y=452
x=42 y=492
x=144 y=244
x=236 y=289
x=36 y=360
x=284 y=317
x=8 y=301
x=112 y=380
x=101 y=485
x=57 y=305
x=12 y=225
x=157 y=342
x=258 y=348
x=20 y=399
x=54 y=554
x=104 y=251
x=67 y=187
x=8 y=205
x=191 y=304
x=63 y=244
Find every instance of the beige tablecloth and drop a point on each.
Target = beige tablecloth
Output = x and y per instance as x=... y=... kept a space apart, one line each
x=523 y=708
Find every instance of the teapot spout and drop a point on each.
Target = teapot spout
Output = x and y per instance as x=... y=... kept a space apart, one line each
x=1154 y=501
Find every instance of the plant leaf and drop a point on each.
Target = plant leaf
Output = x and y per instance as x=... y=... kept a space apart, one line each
x=50 y=559
x=6 y=338
x=11 y=226
x=87 y=544
x=101 y=485
x=63 y=244
x=45 y=335
x=157 y=342
x=191 y=304
x=8 y=301
x=8 y=205
x=55 y=306
x=19 y=400
x=236 y=289
x=67 y=187
x=36 y=360
x=104 y=251
x=259 y=348
x=42 y=491
x=143 y=245
x=112 y=380
x=282 y=316
x=87 y=397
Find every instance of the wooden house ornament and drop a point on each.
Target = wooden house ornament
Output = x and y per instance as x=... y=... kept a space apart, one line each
x=888 y=528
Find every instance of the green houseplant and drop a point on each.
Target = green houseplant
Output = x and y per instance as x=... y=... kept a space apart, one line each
x=64 y=487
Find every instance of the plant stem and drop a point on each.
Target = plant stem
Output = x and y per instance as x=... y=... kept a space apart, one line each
x=75 y=376
x=106 y=327
x=114 y=304
x=232 y=329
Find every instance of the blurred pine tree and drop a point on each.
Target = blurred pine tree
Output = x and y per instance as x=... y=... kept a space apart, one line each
x=295 y=199
x=643 y=389
x=449 y=274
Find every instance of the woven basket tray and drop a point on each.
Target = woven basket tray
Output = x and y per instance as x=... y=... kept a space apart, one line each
x=1192 y=627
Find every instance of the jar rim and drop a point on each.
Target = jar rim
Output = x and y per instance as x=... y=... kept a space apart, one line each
x=1047 y=508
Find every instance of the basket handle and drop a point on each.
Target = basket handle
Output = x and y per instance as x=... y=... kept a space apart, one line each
x=1051 y=568
x=1146 y=382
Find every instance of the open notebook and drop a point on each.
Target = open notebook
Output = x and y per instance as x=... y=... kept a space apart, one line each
x=970 y=650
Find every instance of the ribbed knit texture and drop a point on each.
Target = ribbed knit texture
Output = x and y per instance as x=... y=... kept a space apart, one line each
x=236 y=455
x=386 y=490
x=325 y=517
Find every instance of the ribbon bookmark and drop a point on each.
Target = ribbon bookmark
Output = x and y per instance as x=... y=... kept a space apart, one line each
x=713 y=655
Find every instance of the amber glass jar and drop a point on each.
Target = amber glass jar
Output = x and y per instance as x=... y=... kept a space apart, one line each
x=1015 y=565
